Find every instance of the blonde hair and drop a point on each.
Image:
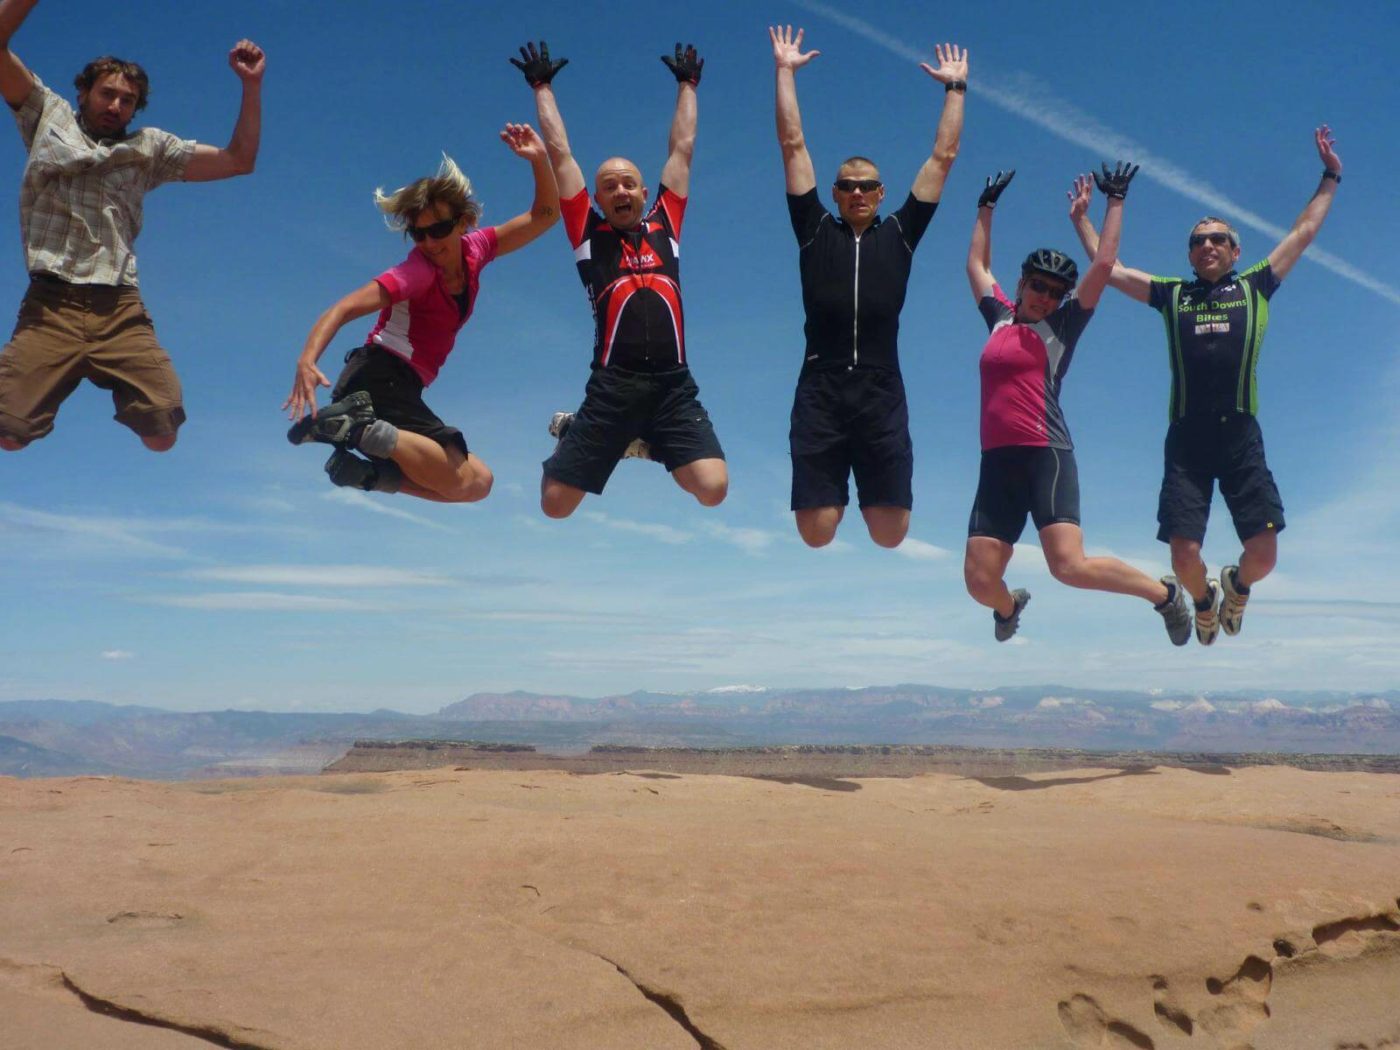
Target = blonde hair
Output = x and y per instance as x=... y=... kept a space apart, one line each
x=449 y=186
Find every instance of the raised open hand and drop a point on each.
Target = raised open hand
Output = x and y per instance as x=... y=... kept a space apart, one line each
x=993 y=189
x=1326 y=149
x=536 y=65
x=686 y=66
x=1114 y=184
x=523 y=141
x=247 y=60
x=787 y=48
x=952 y=64
x=1079 y=197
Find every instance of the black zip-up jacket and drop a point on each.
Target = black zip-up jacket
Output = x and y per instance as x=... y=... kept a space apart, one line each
x=853 y=287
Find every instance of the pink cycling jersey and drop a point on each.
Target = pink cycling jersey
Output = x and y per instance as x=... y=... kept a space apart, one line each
x=422 y=322
x=1022 y=366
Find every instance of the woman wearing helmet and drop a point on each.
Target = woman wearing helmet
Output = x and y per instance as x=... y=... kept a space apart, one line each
x=1027 y=456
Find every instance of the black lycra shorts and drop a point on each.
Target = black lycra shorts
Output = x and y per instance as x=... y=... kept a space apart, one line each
x=661 y=408
x=1017 y=480
x=848 y=421
x=397 y=394
x=1201 y=450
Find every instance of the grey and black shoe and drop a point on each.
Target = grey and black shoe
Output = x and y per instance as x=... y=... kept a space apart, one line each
x=339 y=423
x=1233 y=601
x=559 y=424
x=1208 y=614
x=350 y=471
x=1176 y=611
x=1005 y=628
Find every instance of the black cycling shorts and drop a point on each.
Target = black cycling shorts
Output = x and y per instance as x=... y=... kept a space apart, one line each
x=848 y=421
x=661 y=408
x=1201 y=450
x=396 y=392
x=1017 y=480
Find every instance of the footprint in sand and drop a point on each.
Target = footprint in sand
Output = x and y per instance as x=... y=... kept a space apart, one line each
x=1088 y=1026
x=1241 y=1001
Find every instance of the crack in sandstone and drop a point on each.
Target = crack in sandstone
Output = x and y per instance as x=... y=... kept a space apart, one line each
x=107 y=1008
x=671 y=1005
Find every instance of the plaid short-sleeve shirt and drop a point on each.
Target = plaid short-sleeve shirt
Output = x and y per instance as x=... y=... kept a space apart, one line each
x=80 y=201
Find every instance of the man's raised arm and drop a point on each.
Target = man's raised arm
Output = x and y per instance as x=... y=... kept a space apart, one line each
x=686 y=66
x=539 y=70
x=952 y=74
x=16 y=82
x=1133 y=283
x=1305 y=227
x=241 y=154
x=788 y=59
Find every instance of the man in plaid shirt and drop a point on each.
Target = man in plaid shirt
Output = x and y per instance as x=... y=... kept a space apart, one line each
x=80 y=211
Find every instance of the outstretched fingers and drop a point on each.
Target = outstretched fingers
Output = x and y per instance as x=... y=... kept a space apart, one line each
x=1326 y=149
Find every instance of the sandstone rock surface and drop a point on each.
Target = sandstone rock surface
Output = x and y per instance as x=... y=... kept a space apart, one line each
x=1098 y=908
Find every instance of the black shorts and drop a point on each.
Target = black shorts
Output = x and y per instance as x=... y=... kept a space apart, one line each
x=1017 y=480
x=848 y=421
x=397 y=394
x=661 y=408
x=1227 y=448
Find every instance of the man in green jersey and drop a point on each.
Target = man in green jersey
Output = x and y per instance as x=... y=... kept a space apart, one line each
x=1215 y=327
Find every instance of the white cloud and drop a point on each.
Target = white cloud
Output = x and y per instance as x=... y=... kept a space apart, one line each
x=751 y=541
x=919 y=550
x=1036 y=102
x=660 y=533
x=363 y=501
x=117 y=654
x=260 y=601
x=320 y=576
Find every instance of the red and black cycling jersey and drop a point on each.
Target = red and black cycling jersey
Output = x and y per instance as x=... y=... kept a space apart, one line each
x=633 y=280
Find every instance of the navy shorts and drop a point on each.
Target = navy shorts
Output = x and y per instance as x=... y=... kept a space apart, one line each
x=661 y=408
x=848 y=421
x=1198 y=452
x=1017 y=480
x=397 y=393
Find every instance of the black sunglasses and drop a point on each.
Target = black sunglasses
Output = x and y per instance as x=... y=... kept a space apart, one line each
x=864 y=185
x=1215 y=237
x=1055 y=291
x=436 y=231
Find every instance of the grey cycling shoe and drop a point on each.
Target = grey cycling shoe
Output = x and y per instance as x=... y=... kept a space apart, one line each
x=1006 y=628
x=336 y=424
x=1176 y=611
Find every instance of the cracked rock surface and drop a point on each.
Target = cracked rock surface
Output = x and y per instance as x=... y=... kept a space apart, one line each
x=543 y=909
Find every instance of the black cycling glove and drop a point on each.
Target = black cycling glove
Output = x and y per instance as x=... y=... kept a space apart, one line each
x=536 y=66
x=686 y=65
x=1115 y=183
x=994 y=188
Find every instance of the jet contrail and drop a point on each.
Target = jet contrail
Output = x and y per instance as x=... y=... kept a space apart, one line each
x=1032 y=101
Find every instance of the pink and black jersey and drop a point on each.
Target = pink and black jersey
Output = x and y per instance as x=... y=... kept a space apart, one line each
x=1022 y=366
x=422 y=323
x=633 y=279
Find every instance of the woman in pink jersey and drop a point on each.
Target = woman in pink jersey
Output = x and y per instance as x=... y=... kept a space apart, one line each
x=1028 y=465
x=423 y=302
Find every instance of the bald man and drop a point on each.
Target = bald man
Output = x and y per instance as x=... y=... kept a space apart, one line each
x=628 y=255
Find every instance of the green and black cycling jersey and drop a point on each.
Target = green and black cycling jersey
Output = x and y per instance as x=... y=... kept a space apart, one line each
x=1214 y=334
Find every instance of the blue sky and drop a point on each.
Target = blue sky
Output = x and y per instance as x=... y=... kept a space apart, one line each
x=229 y=572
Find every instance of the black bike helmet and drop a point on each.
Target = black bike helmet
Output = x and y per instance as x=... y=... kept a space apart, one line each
x=1055 y=264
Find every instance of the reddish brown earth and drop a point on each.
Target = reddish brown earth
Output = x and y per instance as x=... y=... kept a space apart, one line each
x=1105 y=908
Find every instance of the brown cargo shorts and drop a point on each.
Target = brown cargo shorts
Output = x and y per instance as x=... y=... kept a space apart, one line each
x=70 y=332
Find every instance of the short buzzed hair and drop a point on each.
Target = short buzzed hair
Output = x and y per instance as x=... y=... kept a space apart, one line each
x=1234 y=234
x=858 y=159
x=100 y=67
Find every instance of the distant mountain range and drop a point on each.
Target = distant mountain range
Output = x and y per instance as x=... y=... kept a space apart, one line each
x=61 y=737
